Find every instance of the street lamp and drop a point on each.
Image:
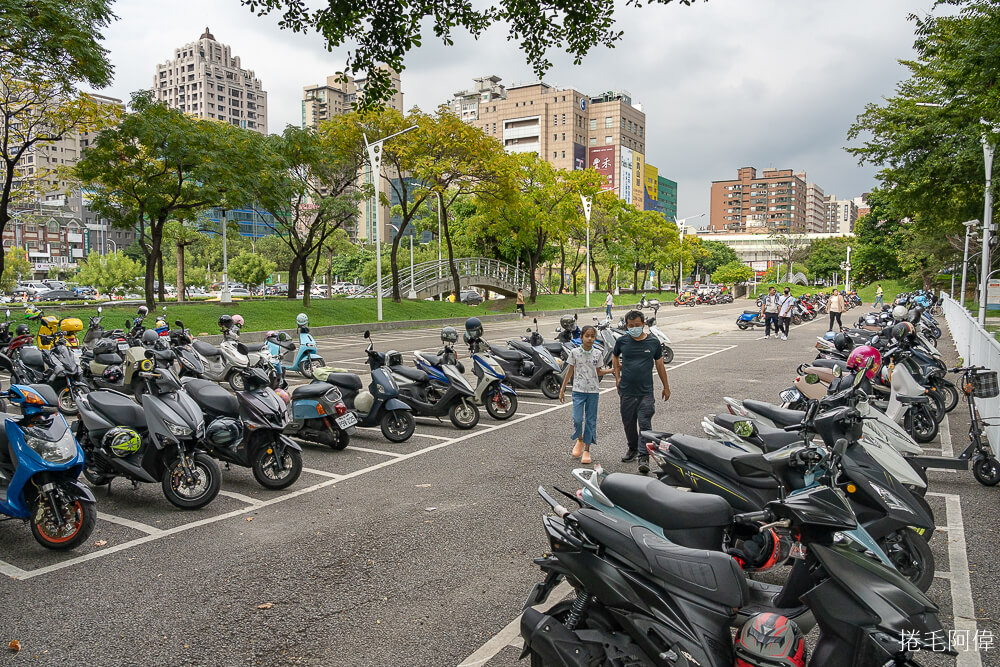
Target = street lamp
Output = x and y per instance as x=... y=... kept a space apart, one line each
x=225 y=296
x=375 y=160
x=969 y=227
x=587 y=203
x=682 y=225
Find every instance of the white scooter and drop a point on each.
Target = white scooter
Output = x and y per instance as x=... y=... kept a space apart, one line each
x=222 y=363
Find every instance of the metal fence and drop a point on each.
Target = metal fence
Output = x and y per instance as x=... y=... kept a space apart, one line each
x=977 y=347
x=469 y=268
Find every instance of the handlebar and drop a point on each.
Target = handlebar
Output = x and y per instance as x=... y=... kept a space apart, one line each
x=754 y=517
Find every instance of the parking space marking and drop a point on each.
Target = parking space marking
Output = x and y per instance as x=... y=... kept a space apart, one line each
x=520 y=402
x=129 y=523
x=321 y=473
x=372 y=451
x=944 y=435
x=19 y=574
x=375 y=429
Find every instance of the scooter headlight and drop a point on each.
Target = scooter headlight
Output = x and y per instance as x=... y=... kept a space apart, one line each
x=54 y=451
x=179 y=430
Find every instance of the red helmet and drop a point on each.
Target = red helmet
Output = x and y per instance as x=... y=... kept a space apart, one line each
x=859 y=357
x=770 y=639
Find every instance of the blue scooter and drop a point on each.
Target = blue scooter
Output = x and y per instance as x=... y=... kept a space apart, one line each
x=749 y=319
x=307 y=358
x=40 y=461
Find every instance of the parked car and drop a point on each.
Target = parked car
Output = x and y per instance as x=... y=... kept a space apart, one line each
x=58 y=295
x=239 y=291
x=54 y=284
x=471 y=297
x=34 y=286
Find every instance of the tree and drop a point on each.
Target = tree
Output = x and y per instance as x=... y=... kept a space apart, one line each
x=732 y=273
x=385 y=34
x=879 y=241
x=15 y=267
x=826 y=256
x=109 y=272
x=182 y=236
x=716 y=254
x=160 y=164
x=276 y=250
x=788 y=247
x=251 y=269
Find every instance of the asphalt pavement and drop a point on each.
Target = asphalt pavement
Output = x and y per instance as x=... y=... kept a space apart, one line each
x=417 y=553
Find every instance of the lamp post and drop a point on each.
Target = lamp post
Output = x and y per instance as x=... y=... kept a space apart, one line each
x=375 y=161
x=969 y=227
x=439 y=235
x=587 y=203
x=225 y=296
x=847 y=268
x=682 y=226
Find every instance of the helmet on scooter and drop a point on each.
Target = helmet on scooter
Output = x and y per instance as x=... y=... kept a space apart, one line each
x=149 y=337
x=567 y=322
x=302 y=320
x=772 y=640
x=830 y=336
x=224 y=431
x=283 y=395
x=843 y=342
x=271 y=334
x=22 y=330
x=473 y=328
x=859 y=357
x=122 y=441
x=225 y=322
x=142 y=311
x=113 y=374
x=902 y=331
x=449 y=335
x=899 y=313
x=238 y=321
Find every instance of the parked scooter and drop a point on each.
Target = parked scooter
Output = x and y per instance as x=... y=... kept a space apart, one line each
x=222 y=364
x=379 y=405
x=749 y=319
x=434 y=388
x=182 y=345
x=50 y=327
x=665 y=345
x=307 y=358
x=498 y=398
x=528 y=365
x=58 y=368
x=40 y=462
x=157 y=442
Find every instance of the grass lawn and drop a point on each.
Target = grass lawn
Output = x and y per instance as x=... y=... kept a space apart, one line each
x=578 y=302
x=890 y=289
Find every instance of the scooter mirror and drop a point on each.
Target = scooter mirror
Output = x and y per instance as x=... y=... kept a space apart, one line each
x=128 y=323
x=534 y=320
x=7 y=313
x=368 y=334
x=812 y=378
x=838 y=371
x=100 y=309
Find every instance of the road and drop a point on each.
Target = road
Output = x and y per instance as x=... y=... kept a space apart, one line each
x=406 y=554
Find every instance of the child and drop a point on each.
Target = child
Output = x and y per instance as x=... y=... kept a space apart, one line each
x=585 y=372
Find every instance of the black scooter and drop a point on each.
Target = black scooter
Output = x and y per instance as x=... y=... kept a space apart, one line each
x=529 y=365
x=245 y=429
x=59 y=368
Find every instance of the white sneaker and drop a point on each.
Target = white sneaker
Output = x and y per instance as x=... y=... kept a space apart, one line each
x=766 y=337
x=784 y=337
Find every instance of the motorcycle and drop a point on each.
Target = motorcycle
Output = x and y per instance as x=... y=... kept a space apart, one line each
x=434 y=388
x=528 y=365
x=40 y=462
x=306 y=358
x=222 y=364
x=749 y=319
x=157 y=442
x=58 y=368
x=498 y=398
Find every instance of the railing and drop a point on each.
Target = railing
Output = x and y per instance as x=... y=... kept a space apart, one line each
x=427 y=275
x=977 y=347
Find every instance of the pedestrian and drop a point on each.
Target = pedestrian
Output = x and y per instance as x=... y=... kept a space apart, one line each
x=519 y=308
x=770 y=312
x=878 y=295
x=836 y=308
x=635 y=356
x=585 y=372
x=610 y=301
x=451 y=297
x=785 y=305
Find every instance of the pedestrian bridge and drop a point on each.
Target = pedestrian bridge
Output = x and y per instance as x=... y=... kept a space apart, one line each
x=433 y=278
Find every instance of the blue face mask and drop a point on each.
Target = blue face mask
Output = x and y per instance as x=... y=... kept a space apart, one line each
x=635 y=332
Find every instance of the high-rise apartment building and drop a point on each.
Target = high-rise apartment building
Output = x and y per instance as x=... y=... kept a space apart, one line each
x=206 y=80
x=841 y=215
x=815 y=207
x=774 y=201
x=337 y=96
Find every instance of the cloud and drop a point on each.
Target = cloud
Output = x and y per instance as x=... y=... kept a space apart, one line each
x=724 y=83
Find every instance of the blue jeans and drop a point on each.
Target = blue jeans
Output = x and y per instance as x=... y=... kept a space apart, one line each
x=878 y=301
x=585 y=417
x=607 y=309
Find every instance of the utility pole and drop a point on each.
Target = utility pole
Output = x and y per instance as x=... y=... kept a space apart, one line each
x=988 y=149
x=587 y=203
x=225 y=296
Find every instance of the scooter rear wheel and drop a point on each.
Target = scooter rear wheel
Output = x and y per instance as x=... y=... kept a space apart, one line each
x=742 y=325
x=668 y=354
x=550 y=386
x=919 y=423
x=987 y=471
x=397 y=425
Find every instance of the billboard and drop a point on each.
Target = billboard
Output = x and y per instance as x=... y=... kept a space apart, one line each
x=625 y=192
x=602 y=159
x=579 y=157
x=652 y=181
x=638 y=171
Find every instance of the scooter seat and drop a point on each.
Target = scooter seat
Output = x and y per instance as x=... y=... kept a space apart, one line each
x=777 y=414
x=719 y=458
x=751 y=312
x=212 y=398
x=206 y=350
x=312 y=390
x=507 y=355
x=256 y=347
x=829 y=363
x=519 y=346
x=554 y=348
x=163 y=355
x=348 y=381
x=414 y=374
x=768 y=438
x=118 y=409
x=108 y=359
x=432 y=359
x=664 y=505
x=31 y=356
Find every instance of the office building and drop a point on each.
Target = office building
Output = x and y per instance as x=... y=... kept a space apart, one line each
x=841 y=215
x=666 y=191
x=773 y=201
x=759 y=251
x=207 y=81
x=337 y=96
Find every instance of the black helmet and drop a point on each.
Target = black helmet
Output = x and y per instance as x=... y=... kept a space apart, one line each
x=902 y=331
x=225 y=322
x=149 y=337
x=449 y=335
x=567 y=322
x=224 y=431
x=113 y=374
x=22 y=330
x=473 y=328
x=843 y=342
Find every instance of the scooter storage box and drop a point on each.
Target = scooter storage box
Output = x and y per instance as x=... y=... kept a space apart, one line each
x=393 y=358
x=71 y=325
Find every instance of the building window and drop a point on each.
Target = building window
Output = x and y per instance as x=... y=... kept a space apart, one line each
x=555 y=119
x=607 y=121
x=555 y=154
x=623 y=124
x=607 y=140
x=564 y=136
x=593 y=141
x=555 y=137
x=564 y=119
x=593 y=123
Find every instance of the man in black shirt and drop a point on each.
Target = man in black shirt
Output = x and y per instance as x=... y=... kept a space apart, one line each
x=635 y=355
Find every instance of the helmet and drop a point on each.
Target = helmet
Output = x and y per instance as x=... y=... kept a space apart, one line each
x=283 y=395
x=770 y=639
x=449 y=335
x=225 y=322
x=113 y=374
x=224 y=431
x=393 y=358
x=842 y=342
x=830 y=336
x=902 y=331
x=859 y=357
x=122 y=441
x=271 y=334
x=149 y=337
x=143 y=311
x=22 y=330
x=899 y=313
x=473 y=328
x=238 y=320
x=567 y=322
x=302 y=320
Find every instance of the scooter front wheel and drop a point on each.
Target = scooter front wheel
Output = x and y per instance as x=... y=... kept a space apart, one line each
x=67 y=401
x=463 y=415
x=911 y=555
x=196 y=492
x=78 y=520
x=235 y=380
x=274 y=472
x=500 y=405
x=668 y=353
x=308 y=365
x=397 y=425
x=550 y=386
x=919 y=422
x=987 y=471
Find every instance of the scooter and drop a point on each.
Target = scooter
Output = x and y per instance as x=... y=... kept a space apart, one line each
x=223 y=363
x=50 y=327
x=528 y=365
x=40 y=462
x=307 y=358
x=749 y=319
x=181 y=343
x=157 y=442
x=379 y=405
x=58 y=368
x=245 y=429
x=434 y=388
x=498 y=398
x=668 y=352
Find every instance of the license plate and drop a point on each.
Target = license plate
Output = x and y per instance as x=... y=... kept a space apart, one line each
x=798 y=550
x=123 y=347
x=790 y=395
x=347 y=420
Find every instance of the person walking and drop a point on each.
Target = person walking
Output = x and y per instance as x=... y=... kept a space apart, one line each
x=585 y=372
x=610 y=301
x=635 y=357
x=878 y=295
x=770 y=312
x=835 y=308
x=519 y=307
x=785 y=304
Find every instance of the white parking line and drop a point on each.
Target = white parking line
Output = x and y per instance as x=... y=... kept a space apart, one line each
x=372 y=451
x=321 y=473
x=375 y=429
x=944 y=435
x=11 y=571
x=240 y=497
x=129 y=523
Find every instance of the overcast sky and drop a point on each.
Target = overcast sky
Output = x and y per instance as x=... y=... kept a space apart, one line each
x=724 y=83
